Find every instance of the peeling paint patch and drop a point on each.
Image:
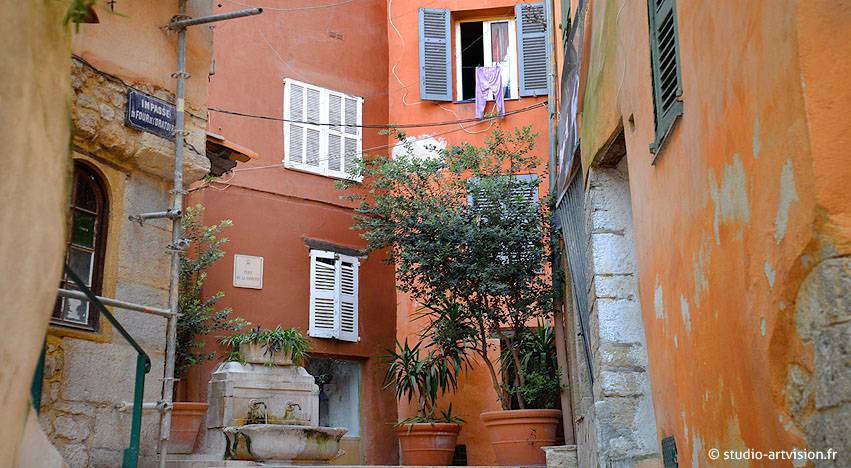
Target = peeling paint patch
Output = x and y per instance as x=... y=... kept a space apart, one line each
x=696 y=447
x=769 y=273
x=685 y=313
x=701 y=283
x=788 y=195
x=676 y=342
x=658 y=301
x=755 y=145
x=762 y=326
x=730 y=198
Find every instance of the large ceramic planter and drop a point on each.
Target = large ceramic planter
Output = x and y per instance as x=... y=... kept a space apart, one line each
x=255 y=353
x=518 y=435
x=186 y=419
x=425 y=444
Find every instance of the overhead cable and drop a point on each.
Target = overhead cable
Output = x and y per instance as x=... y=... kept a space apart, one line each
x=383 y=125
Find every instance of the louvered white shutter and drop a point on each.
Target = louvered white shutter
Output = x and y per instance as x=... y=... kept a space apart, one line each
x=532 y=37
x=294 y=133
x=323 y=294
x=348 y=298
x=322 y=132
x=435 y=55
x=335 y=136
x=313 y=137
x=352 y=112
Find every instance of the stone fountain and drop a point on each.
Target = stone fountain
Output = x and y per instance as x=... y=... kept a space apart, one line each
x=267 y=413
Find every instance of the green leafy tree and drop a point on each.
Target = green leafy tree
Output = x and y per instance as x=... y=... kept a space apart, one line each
x=199 y=315
x=465 y=240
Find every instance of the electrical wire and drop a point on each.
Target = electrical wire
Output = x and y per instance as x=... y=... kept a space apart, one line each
x=382 y=125
x=281 y=166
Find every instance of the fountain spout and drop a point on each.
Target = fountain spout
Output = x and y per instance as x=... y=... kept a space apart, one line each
x=257 y=412
x=289 y=411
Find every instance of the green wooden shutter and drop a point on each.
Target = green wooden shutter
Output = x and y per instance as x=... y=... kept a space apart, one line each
x=667 y=78
x=532 y=40
x=669 y=453
x=435 y=55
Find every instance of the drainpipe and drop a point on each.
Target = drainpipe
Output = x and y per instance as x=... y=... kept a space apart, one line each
x=558 y=302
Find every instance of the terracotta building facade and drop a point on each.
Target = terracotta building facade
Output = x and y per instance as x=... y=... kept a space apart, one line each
x=287 y=211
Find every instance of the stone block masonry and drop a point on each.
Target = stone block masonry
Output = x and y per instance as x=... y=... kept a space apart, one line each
x=88 y=376
x=622 y=415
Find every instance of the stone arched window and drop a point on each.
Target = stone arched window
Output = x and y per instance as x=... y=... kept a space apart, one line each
x=87 y=219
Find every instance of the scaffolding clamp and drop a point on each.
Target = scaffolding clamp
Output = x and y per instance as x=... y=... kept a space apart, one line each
x=169 y=214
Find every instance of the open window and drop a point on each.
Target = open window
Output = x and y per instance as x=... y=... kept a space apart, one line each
x=517 y=44
x=86 y=242
x=485 y=43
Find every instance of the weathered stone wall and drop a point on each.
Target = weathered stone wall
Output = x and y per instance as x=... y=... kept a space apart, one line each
x=88 y=376
x=100 y=101
x=624 y=423
x=820 y=399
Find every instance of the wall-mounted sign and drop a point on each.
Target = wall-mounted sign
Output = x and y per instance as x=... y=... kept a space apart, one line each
x=247 y=272
x=150 y=114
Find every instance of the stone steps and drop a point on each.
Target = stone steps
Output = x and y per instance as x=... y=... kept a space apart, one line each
x=195 y=461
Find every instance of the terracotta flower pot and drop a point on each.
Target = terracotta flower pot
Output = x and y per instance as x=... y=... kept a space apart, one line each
x=425 y=444
x=518 y=435
x=255 y=353
x=186 y=419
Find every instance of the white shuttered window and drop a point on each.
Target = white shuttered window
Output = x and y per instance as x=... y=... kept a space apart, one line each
x=321 y=132
x=333 y=296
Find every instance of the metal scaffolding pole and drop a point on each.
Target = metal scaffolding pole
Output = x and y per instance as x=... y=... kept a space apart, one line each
x=80 y=295
x=179 y=23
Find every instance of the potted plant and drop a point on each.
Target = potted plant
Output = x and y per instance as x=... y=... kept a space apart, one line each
x=198 y=318
x=470 y=240
x=271 y=347
x=427 y=439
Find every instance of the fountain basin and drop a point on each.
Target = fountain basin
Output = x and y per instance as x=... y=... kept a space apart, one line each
x=285 y=443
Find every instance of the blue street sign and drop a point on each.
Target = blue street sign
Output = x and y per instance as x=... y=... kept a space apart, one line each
x=150 y=114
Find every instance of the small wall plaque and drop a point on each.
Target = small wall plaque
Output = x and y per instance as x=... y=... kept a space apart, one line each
x=247 y=272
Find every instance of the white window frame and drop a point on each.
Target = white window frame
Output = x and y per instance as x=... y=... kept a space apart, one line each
x=513 y=69
x=338 y=296
x=324 y=131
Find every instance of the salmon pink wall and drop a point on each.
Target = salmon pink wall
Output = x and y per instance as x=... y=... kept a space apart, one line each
x=344 y=48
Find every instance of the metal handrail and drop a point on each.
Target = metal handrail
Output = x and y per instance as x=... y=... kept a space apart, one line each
x=143 y=366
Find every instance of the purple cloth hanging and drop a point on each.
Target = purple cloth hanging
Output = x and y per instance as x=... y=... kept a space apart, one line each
x=489 y=83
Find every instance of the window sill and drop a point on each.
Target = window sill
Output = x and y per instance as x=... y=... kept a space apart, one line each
x=312 y=171
x=473 y=101
x=104 y=335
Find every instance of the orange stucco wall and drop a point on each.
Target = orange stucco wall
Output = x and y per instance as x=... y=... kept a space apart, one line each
x=273 y=209
x=745 y=199
x=475 y=393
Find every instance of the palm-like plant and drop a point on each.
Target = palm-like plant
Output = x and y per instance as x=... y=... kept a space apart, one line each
x=424 y=377
x=540 y=387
